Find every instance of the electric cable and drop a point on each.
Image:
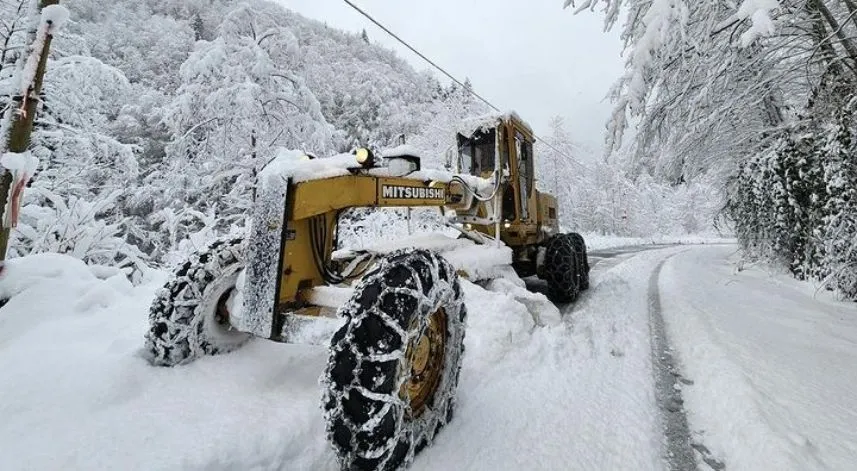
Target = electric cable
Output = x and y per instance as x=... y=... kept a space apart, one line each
x=452 y=77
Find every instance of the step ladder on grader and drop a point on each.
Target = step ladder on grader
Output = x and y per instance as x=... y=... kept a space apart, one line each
x=389 y=385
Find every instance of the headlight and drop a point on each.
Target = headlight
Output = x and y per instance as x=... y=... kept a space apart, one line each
x=365 y=157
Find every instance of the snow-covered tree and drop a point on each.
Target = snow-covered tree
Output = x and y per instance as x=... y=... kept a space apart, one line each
x=604 y=196
x=836 y=233
x=747 y=93
x=13 y=23
x=237 y=102
x=23 y=89
x=159 y=112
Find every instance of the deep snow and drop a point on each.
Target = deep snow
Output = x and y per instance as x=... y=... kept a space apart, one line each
x=78 y=394
x=574 y=394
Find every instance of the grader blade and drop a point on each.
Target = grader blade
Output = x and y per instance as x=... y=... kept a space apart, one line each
x=264 y=259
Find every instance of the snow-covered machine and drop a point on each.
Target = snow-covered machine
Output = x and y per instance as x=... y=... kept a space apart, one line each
x=395 y=356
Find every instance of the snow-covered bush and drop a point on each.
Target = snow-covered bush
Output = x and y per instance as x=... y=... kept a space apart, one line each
x=796 y=202
x=77 y=227
x=837 y=229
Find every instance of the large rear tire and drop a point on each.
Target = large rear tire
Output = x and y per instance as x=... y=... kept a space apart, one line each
x=189 y=317
x=390 y=382
x=561 y=268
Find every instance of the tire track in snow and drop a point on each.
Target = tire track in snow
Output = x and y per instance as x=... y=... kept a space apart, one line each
x=677 y=442
x=679 y=448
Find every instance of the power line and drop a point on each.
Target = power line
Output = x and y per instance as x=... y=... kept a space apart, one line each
x=441 y=69
x=451 y=77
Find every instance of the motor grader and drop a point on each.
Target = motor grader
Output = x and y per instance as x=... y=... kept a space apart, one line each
x=394 y=362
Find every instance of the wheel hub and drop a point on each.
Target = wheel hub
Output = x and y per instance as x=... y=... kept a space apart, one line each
x=424 y=363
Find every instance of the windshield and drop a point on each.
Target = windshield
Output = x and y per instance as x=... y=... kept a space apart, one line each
x=476 y=153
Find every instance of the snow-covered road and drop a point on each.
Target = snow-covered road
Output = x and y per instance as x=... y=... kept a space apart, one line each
x=771 y=372
x=773 y=369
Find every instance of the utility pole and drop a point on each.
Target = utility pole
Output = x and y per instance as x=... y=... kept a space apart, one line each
x=19 y=117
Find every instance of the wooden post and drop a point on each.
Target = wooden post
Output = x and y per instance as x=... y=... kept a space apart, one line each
x=22 y=123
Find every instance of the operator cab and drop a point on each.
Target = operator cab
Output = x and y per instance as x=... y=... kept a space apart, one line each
x=507 y=145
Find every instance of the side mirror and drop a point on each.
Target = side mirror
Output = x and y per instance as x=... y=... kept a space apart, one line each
x=451 y=156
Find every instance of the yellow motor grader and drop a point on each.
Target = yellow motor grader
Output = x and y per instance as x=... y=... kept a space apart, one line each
x=394 y=363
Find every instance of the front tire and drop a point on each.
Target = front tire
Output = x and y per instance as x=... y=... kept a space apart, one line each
x=189 y=317
x=390 y=382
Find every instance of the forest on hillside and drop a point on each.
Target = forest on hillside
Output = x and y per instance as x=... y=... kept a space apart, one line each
x=156 y=115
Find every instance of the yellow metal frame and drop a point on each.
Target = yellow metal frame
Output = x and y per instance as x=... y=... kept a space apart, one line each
x=322 y=201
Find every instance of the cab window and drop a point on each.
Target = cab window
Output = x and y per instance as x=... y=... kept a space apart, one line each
x=476 y=154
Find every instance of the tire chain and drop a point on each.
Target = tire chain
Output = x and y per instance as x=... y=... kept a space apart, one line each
x=582 y=261
x=561 y=269
x=365 y=416
x=176 y=334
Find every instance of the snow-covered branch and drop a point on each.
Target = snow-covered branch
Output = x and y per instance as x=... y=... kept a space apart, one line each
x=52 y=18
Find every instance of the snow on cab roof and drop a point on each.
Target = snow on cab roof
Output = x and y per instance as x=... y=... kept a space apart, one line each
x=481 y=123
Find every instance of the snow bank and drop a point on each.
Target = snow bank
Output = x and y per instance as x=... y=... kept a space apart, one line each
x=32 y=286
x=70 y=354
x=20 y=274
x=538 y=305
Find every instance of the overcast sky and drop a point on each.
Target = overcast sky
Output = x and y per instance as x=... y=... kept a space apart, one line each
x=528 y=55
